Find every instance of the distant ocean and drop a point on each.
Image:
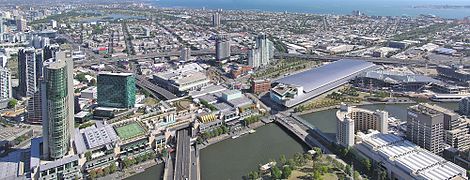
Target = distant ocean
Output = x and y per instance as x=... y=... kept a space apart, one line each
x=370 y=7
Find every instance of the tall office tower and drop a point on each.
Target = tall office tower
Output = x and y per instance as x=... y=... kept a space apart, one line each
x=50 y=50
x=185 y=54
x=216 y=19
x=3 y=59
x=21 y=25
x=29 y=69
x=464 y=106
x=5 y=83
x=39 y=42
x=30 y=65
x=425 y=126
x=53 y=24
x=122 y=86
x=222 y=47
x=57 y=100
x=261 y=54
x=2 y=26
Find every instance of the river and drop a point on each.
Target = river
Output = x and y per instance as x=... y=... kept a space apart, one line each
x=234 y=158
x=326 y=120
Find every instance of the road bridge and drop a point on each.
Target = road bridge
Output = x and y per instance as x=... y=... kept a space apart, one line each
x=301 y=131
x=183 y=156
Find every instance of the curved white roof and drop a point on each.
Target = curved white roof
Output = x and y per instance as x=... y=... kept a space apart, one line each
x=321 y=76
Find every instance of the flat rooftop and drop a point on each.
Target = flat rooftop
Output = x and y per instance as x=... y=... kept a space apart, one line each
x=129 y=130
x=410 y=158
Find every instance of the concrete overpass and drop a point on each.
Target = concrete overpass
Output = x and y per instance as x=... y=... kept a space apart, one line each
x=151 y=56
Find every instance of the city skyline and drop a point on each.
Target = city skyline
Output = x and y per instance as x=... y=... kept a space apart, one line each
x=190 y=89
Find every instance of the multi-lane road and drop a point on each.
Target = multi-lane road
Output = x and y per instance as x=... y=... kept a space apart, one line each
x=183 y=156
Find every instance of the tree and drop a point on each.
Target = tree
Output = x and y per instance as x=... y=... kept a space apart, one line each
x=291 y=163
x=99 y=172
x=356 y=175
x=286 y=172
x=253 y=175
x=316 y=175
x=299 y=159
x=347 y=169
x=92 y=174
x=276 y=173
x=308 y=157
x=112 y=168
x=283 y=159
x=366 y=163
x=318 y=152
x=81 y=77
x=106 y=170
x=88 y=155
x=12 y=103
x=383 y=174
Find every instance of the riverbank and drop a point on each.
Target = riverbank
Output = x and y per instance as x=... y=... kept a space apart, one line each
x=229 y=136
x=409 y=101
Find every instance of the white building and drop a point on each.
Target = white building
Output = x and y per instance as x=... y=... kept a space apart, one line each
x=3 y=59
x=5 y=83
x=261 y=54
x=216 y=19
x=185 y=54
x=185 y=78
x=350 y=120
x=53 y=24
x=404 y=160
x=222 y=47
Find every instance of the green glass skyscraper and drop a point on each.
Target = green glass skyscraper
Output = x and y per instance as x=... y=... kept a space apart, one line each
x=116 y=90
x=57 y=107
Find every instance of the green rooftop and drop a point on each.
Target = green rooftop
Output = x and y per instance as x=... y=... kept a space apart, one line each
x=129 y=130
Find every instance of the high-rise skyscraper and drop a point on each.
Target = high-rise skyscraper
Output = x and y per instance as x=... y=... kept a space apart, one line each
x=57 y=107
x=261 y=54
x=122 y=86
x=3 y=60
x=39 y=42
x=21 y=25
x=185 y=54
x=222 y=47
x=2 y=27
x=425 y=126
x=216 y=19
x=29 y=69
x=5 y=83
x=464 y=106
x=50 y=50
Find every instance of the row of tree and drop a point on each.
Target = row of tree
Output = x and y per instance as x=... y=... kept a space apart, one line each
x=284 y=167
x=213 y=133
x=128 y=162
x=252 y=119
x=103 y=171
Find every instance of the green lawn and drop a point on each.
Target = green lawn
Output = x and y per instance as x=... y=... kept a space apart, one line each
x=129 y=131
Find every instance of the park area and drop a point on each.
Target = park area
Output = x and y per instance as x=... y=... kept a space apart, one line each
x=129 y=130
